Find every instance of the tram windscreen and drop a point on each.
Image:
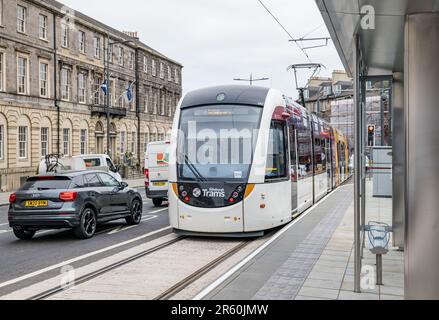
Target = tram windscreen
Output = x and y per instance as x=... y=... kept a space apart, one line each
x=216 y=143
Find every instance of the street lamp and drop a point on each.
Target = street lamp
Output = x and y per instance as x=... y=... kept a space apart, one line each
x=107 y=67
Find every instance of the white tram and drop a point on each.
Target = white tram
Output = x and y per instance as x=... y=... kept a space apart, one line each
x=247 y=159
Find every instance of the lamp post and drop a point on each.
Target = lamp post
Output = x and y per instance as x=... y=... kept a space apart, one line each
x=107 y=68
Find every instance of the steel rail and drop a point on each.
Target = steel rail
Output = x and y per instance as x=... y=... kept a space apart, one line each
x=94 y=274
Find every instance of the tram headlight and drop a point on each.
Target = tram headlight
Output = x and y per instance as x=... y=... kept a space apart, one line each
x=184 y=194
x=235 y=195
x=196 y=192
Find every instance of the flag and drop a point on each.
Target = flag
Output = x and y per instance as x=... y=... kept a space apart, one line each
x=104 y=87
x=129 y=93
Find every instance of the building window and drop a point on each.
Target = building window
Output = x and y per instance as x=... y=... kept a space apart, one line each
x=44 y=73
x=82 y=87
x=145 y=64
x=131 y=61
x=169 y=74
x=22 y=142
x=146 y=97
x=97 y=90
x=66 y=141
x=64 y=35
x=21 y=19
x=145 y=141
x=122 y=142
x=97 y=47
x=2 y=143
x=110 y=52
x=153 y=68
x=176 y=78
x=44 y=142
x=338 y=89
x=1 y=12
x=120 y=56
x=162 y=70
x=327 y=90
x=43 y=27
x=133 y=142
x=22 y=75
x=2 y=71
x=65 y=84
x=83 y=141
x=82 y=42
x=306 y=94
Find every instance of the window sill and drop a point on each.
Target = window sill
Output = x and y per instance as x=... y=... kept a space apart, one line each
x=44 y=40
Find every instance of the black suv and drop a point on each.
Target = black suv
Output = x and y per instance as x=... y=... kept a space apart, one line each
x=76 y=200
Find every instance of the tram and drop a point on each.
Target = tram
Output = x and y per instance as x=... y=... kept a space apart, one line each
x=247 y=159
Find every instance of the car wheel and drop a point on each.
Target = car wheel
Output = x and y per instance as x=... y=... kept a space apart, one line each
x=87 y=224
x=23 y=234
x=157 y=202
x=136 y=213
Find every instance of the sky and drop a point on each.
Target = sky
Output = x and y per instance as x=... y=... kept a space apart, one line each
x=219 y=40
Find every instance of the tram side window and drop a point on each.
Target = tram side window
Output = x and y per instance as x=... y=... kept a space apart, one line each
x=304 y=145
x=277 y=153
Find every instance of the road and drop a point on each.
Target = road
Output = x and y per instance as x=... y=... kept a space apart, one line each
x=23 y=263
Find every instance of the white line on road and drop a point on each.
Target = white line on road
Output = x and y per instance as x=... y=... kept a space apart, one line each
x=67 y=262
x=157 y=211
x=253 y=255
x=124 y=228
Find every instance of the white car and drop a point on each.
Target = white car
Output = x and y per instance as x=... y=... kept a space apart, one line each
x=157 y=171
x=100 y=162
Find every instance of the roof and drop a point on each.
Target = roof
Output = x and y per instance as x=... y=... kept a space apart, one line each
x=382 y=46
x=228 y=94
x=67 y=173
x=59 y=7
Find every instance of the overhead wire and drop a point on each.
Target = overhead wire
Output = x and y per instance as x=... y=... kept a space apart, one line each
x=285 y=29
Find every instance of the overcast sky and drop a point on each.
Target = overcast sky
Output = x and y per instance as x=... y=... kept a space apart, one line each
x=218 y=40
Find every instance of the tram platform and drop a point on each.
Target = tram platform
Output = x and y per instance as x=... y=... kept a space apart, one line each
x=314 y=260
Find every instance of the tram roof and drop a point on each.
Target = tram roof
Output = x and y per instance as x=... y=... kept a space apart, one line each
x=229 y=94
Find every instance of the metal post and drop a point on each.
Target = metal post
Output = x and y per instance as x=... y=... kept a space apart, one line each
x=379 y=262
x=363 y=130
x=107 y=66
x=357 y=180
x=382 y=113
x=138 y=104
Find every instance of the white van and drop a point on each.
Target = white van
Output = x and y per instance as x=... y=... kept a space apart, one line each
x=100 y=162
x=157 y=171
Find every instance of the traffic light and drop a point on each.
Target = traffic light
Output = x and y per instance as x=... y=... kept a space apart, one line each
x=371 y=136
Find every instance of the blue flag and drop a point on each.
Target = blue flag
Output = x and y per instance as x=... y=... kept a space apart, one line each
x=129 y=93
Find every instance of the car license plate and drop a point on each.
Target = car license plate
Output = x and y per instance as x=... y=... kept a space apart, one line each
x=36 y=203
x=159 y=184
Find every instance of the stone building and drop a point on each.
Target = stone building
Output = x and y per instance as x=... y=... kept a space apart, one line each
x=332 y=99
x=52 y=67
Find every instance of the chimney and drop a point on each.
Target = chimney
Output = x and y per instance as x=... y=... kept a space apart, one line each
x=132 y=34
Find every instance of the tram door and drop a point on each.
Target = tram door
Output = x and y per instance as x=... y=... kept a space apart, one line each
x=328 y=165
x=294 y=165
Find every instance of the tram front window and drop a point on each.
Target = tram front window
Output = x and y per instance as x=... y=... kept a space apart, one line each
x=216 y=143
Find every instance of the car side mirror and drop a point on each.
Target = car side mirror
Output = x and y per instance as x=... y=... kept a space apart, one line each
x=123 y=185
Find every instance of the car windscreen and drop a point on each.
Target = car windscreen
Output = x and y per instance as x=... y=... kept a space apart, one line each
x=46 y=183
x=216 y=143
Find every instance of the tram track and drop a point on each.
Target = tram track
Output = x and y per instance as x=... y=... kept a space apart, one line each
x=113 y=266
x=166 y=295
x=180 y=286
